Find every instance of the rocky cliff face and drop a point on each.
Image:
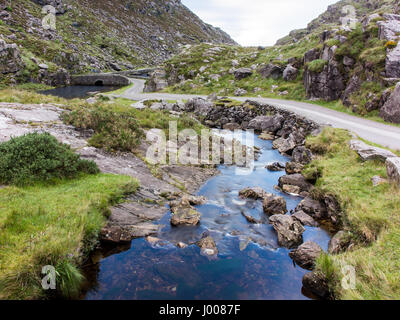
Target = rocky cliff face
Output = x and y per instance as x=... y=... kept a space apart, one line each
x=101 y=35
x=327 y=61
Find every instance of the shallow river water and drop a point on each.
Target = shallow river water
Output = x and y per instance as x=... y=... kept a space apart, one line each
x=250 y=264
x=72 y=92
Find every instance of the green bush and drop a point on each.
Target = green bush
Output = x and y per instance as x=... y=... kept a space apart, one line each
x=39 y=157
x=114 y=131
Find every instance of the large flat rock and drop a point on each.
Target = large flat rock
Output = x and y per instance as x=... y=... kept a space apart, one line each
x=367 y=152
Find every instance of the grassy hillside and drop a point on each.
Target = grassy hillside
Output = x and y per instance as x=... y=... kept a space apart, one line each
x=102 y=35
x=351 y=62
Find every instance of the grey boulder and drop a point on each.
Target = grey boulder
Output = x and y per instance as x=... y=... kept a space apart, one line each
x=306 y=255
x=289 y=230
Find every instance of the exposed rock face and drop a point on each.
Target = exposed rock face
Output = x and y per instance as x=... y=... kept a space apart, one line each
x=284 y=145
x=327 y=84
x=391 y=109
x=393 y=169
x=339 y=243
x=290 y=231
x=389 y=29
x=293 y=167
x=242 y=73
x=327 y=209
x=199 y=106
x=10 y=59
x=305 y=219
x=295 y=180
x=157 y=81
x=311 y=55
x=301 y=155
x=393 y=63
x=353 y=86
x=367 y=152
x=57 y=4
x=313 y=208
x=273 y=204
x=267 y=123
x=271 y=71
x=306 y=255
x=290 y=73
x=316 y=283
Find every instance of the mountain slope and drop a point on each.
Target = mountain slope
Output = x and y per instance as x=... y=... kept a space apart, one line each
x=351 y=69
x=101 y=35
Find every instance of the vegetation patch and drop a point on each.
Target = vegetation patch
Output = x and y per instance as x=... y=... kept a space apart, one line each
x=54 y=225
x=317 y=65
x=114 y=131
x=371 y=215
x=39 y=157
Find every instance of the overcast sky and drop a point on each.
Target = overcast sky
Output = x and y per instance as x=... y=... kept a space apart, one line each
x=258 y=22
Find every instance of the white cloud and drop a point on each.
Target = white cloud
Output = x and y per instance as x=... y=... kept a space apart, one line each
x=258 y=22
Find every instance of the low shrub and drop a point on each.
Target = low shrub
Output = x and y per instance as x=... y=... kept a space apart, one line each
x=39 y=157
x=114 y=131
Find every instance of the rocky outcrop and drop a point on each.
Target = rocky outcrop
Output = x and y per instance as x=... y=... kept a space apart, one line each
x=393 y=169
x=242 y=73
x=306 y=255
x=391 y=109
x=311 y=55
x=316 y=283
x=290 y=73
x=301 y=155
x=57 y=4
x=305 y=219
x=295 y=180
x=199 y=106
x=293 y=167
x=273 y=204
x=157 y=81
x=327 y=84
x=367 y=152
x=284 y=145
x=10 y=58
x=267 y=123
x=271 y=71
x=339 y=243
x=289 y=230
x=389 y=29
x=326 y=209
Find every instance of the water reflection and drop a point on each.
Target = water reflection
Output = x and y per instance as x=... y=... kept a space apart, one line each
x=72 y=92
x=250 y=264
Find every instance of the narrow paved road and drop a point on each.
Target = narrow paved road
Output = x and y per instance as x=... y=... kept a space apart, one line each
x=385 y=135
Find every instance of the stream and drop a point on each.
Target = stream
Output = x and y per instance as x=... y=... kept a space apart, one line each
x=250 y=264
